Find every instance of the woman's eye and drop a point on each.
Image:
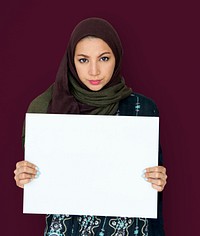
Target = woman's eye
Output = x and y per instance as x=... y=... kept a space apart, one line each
x=83 y=60
x=104 y=58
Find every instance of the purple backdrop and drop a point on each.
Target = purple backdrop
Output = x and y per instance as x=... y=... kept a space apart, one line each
x=161 y=60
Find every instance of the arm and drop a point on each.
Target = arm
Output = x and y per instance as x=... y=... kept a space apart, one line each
x=25 y=171
x=157 y=175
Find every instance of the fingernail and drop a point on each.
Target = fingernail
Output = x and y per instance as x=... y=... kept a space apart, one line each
x=144 y=177
x=144 y=171
x=36 y=168
x=37 y=174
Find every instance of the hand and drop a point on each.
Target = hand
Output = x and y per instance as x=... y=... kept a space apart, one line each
x=156 y=176
x=25 y=172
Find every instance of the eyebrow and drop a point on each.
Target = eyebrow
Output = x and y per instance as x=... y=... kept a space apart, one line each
x=83 y=55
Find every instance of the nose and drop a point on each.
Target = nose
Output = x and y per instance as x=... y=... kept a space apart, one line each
x=94 y=69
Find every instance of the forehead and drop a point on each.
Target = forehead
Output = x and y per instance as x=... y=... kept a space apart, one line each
x=92 y=45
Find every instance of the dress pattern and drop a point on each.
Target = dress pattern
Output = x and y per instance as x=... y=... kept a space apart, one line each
x=65 y=225
x=57 y=226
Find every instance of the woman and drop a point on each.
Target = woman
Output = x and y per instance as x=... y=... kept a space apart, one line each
x=89 y=82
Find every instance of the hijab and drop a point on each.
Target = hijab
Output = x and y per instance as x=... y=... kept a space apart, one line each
x=70 y=95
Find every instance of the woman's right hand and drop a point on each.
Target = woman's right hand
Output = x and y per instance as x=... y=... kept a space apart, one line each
x=24 y=173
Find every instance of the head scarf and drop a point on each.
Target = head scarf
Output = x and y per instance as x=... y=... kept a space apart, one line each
x=70 y=95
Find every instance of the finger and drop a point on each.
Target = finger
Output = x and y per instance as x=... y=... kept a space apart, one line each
x=25 y=169
x=160 y=169
x=21 y=183
x=158 y=188
x=158 y=182
x=24 y=176
x=25 y=164
x=155 y=175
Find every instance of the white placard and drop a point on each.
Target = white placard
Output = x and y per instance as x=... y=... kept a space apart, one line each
x=91 y=164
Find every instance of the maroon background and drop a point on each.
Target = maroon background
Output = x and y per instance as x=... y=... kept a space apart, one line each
x=161 y=60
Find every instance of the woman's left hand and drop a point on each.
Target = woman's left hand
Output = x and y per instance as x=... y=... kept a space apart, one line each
x=156 y=176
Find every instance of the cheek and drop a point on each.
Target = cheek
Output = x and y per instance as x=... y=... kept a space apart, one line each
x=110 y=69
x=79 y=70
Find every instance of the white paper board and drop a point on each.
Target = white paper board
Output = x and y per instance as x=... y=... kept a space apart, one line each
x=91 y=164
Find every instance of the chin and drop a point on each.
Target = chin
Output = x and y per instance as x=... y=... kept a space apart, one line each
x=95 y=88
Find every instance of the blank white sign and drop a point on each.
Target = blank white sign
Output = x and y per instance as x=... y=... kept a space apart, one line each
x=91 y=164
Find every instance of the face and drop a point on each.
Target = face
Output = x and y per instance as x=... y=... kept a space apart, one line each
x=94 y=62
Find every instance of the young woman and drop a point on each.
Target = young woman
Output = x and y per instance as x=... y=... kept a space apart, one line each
x=89 y=82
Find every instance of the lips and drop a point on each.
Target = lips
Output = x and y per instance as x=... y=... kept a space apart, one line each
x=95 y=82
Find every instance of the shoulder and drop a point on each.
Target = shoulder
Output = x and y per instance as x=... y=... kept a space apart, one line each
x=138 y=104
x=146 y=103
x=40 y=103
